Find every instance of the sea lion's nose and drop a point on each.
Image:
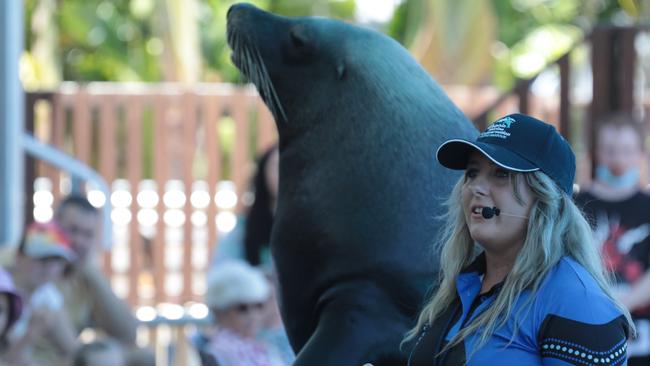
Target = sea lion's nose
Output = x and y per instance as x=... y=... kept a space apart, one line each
x=237 y=8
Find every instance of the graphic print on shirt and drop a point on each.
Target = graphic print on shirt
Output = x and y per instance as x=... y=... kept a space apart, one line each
x=617 y=241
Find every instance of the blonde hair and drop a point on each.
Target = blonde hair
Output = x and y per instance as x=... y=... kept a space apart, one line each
x=556 y=228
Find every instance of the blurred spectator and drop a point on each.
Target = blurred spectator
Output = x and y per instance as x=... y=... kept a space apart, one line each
x=250 y=241
x=89 y=298
x=236 y=296
x=251 y=236
x=272 y=331
x=100 y=353
x=620 y=215
x=43 y=334
x=11 y=306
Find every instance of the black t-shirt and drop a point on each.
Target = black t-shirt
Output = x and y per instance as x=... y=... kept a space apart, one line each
x=622 y=229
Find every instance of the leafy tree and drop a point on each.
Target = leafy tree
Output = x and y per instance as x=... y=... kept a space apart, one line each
x=529 y=33
x=142 y=40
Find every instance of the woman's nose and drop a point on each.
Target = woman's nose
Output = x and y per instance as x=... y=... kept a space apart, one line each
x=479 y=186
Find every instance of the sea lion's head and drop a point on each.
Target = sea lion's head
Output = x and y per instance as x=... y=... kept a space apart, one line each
x=307 y=68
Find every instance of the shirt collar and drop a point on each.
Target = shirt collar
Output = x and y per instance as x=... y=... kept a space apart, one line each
x=477 y=268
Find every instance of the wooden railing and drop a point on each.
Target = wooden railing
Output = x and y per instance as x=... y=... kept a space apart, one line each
x=160 y=133
x=613 y=65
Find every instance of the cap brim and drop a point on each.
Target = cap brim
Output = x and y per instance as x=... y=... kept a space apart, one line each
x=41 y=251
x=454 y=154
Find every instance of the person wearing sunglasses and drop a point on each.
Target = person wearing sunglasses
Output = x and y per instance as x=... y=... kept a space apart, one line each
x=236 y=296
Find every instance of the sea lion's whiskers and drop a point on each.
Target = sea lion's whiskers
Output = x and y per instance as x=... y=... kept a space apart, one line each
x=253 y=68
x=255 y=76
x=263 y=82
x=274 y=95
x=252 y=71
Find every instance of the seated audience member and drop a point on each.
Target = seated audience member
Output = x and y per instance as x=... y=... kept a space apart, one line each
x=11 y=305
x=236 y=295
x=89 y=298
x=43 y=334
x=100 y=353
x=272 y=331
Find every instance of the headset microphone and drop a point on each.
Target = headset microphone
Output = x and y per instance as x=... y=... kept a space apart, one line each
x=490 y=212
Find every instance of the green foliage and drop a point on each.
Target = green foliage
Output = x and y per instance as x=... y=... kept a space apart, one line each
x=406 y=21
x=123 y=40
x=342 y=9
x=107 y=40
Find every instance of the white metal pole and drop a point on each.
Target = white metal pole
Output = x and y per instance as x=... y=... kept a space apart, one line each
x=12 y=193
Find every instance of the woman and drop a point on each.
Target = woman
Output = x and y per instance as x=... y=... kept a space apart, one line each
x=236 y=295
x=521 y=282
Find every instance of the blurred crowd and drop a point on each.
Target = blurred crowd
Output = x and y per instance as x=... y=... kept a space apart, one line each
x=52 y=288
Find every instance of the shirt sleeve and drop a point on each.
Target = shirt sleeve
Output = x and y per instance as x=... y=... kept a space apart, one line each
x=577 y=323
x=566 y=341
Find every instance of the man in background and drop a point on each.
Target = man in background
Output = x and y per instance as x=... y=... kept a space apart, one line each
x=89 y=298
x=619 y=212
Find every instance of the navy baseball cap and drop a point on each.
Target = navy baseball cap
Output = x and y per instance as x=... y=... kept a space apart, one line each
x=519 y=143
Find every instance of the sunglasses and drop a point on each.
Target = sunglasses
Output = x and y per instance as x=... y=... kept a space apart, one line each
x=245 y=308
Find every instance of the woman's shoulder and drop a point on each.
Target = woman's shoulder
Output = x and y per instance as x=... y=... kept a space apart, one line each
x=576 y=320
x=570 y=291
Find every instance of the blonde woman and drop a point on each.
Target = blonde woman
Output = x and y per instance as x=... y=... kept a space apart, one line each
x=521 y=281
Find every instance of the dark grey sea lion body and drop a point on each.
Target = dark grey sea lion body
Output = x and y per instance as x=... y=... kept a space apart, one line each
x=359 y=124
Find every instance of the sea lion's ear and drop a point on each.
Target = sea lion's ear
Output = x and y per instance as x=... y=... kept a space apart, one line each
x=340 y=70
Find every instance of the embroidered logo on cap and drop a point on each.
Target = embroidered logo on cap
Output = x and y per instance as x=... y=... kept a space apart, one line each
x=498 y=128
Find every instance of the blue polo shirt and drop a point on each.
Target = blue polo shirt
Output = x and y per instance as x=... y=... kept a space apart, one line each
x=570 y=321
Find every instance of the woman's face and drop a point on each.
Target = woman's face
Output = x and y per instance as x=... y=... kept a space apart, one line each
x=489 y=185
x=244 y=319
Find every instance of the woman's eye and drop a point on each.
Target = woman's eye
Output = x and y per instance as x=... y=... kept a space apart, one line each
x=470 y=173
x=502 y=173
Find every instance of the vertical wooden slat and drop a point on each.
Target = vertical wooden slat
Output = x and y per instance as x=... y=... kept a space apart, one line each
x=107 y=156
x=266 y=134
x=30 y=163
x=134 y=174
x=161 y=176
x=565 y=80
x=212 y=108
x=240 y=159
x=81 y=126
x=626 y=69
x=189 y=143
x=524 y=92
x=58 y=130
x=601 y=66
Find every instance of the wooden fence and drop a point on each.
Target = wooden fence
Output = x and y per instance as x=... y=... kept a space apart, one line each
x=160 y=133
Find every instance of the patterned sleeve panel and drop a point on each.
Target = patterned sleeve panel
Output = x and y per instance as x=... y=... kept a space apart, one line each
x=565 y=341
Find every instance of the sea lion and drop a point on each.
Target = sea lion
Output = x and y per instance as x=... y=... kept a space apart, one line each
x=359 y=123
